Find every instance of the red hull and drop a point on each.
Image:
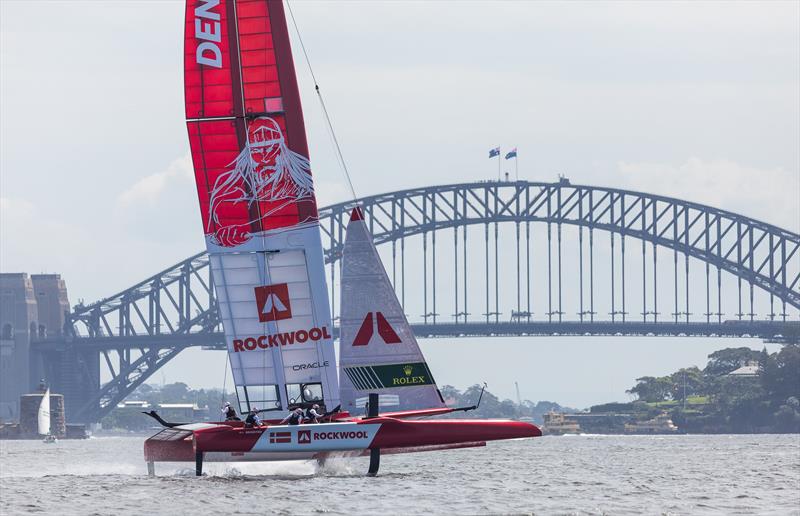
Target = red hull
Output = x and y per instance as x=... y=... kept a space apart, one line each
x=232 y=442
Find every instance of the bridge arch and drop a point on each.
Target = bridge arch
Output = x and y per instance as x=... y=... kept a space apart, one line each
x=755 y=251
x=149 y=323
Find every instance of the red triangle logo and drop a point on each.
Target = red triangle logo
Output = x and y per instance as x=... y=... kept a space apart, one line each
x=366 y=330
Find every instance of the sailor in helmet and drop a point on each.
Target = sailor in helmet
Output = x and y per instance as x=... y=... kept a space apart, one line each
x=252 y=418
x=295 y=417
x=229 y=412
x=313 y=415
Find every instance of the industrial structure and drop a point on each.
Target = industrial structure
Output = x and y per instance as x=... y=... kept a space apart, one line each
x=634 y=264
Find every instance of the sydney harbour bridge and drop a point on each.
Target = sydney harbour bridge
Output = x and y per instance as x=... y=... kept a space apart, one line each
x=481 y=259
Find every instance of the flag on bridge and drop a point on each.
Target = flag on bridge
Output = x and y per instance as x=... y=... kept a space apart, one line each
x=512 y=153
x=494 y=152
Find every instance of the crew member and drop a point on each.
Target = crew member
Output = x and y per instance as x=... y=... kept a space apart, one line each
x=252 y=418
x=313 y=415
x=295 y=417
x=229 y=412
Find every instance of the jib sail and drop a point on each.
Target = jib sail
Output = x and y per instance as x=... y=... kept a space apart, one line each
x=257 y=202
x=378 y=351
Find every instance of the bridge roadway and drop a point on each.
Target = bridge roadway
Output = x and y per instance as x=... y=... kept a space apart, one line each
x=774 y=331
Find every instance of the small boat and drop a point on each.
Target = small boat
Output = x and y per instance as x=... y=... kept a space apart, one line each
x=556 y=423
x=661 y=424
x=258 y=205
x=43 y=419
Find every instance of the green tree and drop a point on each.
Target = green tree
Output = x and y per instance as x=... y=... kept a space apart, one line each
x=690 y=380
x=781 y=375
x=726 y=360
x=652 y=389
x=450 y=393
x=176 y=393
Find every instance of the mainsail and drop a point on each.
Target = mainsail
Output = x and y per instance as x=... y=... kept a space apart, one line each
x=378 y=350
x=43 y=415
x=257 y=202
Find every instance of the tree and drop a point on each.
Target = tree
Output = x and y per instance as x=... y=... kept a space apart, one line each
x=726 y=360
x=652 y=389
x=689 y=380
x=781 y=374
x=176 y=392
x=451 y=395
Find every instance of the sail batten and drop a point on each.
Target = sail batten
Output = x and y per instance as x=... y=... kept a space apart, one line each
x=257 y=202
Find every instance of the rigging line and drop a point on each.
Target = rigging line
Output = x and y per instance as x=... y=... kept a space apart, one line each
x=339 y=154
x=225 y=376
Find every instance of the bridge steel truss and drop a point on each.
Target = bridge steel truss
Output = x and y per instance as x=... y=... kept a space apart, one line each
x=176 y=308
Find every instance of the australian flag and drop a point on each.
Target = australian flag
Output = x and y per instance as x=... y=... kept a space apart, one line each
x=512 y=153
x=494 y=152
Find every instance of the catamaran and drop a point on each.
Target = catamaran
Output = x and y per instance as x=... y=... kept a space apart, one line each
x=259 y=212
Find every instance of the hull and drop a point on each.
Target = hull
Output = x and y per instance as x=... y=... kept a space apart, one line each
x=219 y=442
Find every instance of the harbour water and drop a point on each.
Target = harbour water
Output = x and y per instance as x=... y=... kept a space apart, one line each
x=687 y=474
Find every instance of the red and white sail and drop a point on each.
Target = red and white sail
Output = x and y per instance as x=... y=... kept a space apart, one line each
x=257 y=202
x=378 y=351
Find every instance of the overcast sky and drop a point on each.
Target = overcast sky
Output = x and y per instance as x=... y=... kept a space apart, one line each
x=698 y=100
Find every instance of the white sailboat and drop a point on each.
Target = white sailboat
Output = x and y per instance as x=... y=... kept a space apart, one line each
x=43 y=418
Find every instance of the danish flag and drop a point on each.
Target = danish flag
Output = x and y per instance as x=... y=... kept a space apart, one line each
x=366 y=331
x=280 y=437
x=273 y=302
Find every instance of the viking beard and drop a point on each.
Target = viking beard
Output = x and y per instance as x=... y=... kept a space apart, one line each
x=287 y=179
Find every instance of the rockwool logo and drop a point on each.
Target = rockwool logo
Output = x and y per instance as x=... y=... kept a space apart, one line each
x=304 y=437
x=273 y=302
x=341 y=435
x=385 y=330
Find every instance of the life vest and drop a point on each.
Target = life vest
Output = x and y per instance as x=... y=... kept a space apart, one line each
x=251 y=420
x=295 y=418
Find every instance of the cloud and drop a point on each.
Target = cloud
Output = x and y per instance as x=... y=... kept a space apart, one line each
x=770 y=195
x=150 y=189
x=161 y=209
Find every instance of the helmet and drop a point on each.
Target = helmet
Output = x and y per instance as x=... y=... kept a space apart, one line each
x=315 y=406
x=227 y=403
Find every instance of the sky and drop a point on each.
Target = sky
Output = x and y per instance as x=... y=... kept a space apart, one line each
x=696 y=100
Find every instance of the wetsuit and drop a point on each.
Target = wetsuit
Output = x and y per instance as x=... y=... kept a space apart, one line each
x=312 y=416
x=252 y=420
x=295 y=418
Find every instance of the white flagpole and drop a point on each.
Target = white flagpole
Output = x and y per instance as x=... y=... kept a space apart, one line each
x=516 y=165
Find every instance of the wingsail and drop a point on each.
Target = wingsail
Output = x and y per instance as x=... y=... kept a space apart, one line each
x=257 y=203
x=378 y=350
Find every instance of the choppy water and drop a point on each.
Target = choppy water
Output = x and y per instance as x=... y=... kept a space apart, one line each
x=549 y=475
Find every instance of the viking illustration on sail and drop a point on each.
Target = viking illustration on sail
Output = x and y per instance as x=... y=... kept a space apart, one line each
x=256 y=195
x=267 y=171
